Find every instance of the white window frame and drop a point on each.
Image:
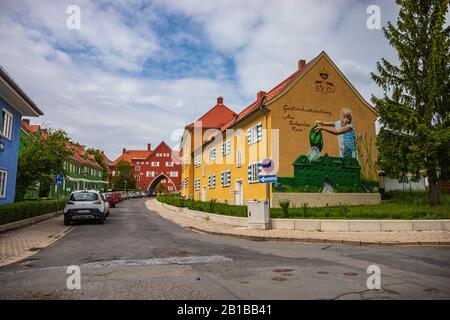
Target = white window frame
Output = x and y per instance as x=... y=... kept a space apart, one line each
x=3 y=182
x=137 y=168
x=224 y=177
x=212 y=181
x=252 y=134
x=169 y=164
x=254 y=172
x=137 y=178
x=197 y=161
x=173 y=174
x=197 y=184
x=155 y=164
x=238 y=158
x=7 y=124
x=212 y=154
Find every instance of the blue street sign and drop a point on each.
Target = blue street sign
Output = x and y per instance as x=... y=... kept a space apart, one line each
x=59 y=178
x=268 y=179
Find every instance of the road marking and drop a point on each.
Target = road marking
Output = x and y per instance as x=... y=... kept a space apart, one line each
x=157 y=261
x=138 y=263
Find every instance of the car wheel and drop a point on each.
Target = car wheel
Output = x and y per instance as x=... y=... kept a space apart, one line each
x=101 y=220
x=66 y=221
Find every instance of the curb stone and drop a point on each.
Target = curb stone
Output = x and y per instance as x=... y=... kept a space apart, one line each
x=316 y=240
x=27 y=222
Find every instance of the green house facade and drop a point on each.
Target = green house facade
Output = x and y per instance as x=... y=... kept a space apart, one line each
x=80 y=169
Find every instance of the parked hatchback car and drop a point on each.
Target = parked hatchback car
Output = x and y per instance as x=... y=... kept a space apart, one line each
x=111 y=198
x=86 y=205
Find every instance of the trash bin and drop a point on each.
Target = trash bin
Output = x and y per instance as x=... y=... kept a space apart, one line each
x=258 y=212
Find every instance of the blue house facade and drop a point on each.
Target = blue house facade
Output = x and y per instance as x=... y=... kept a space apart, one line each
x=14 y=104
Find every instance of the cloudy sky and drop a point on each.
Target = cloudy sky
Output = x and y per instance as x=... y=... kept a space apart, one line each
x=139 y=71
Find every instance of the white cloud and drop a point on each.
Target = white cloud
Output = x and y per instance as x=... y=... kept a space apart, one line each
x=93 y=82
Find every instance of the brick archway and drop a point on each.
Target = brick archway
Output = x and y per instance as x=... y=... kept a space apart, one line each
x=157 y=179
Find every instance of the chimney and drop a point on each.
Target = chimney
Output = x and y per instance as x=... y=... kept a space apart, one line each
x=220 y=100
x=149 y=146
x=124 y=150
x=301 y=64
x=260 y=94
x=27 y=121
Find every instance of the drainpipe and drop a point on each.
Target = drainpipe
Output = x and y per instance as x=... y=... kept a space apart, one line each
x=267 y=146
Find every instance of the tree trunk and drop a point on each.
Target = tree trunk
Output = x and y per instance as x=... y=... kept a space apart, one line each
x=433 y=190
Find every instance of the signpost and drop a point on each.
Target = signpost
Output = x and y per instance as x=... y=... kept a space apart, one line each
x=268 y=177
x=272 y=178
x=59 y=180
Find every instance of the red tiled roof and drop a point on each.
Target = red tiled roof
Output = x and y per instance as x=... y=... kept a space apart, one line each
x=270 y=95
x=261 y=97
x=78 y=151
x=217 y=116
x=79 y=156
x=132 y=154
x=30 y=128
x=267 y=96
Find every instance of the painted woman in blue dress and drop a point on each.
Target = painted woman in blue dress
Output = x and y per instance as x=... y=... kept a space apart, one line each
x=345 y=132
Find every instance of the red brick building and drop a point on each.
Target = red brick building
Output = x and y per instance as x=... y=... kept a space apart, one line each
x=151 y=168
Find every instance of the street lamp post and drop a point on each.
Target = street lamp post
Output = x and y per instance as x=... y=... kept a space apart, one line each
x=126 y=185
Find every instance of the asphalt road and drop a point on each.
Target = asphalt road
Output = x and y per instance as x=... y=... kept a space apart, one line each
x=137 y=254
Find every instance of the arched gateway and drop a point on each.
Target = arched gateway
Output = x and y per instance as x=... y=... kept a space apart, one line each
x=157 y=180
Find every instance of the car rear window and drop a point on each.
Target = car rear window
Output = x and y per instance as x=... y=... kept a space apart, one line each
x=84 y=196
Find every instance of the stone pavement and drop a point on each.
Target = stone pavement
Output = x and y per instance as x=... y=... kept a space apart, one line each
x=354 y=238
x=16 y=245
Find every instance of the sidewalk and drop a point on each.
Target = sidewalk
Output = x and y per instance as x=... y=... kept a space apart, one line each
x=16 y=245
x=355 y=238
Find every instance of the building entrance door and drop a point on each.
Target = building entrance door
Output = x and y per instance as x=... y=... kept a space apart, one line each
x=238 y=193
x=203 y=193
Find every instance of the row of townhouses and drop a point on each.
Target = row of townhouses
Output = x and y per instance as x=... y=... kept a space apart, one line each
x=81 y=170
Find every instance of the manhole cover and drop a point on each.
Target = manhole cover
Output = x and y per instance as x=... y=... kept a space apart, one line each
x=280 y=270
x=350 y=274
x=323 y=272
x=34 y=249
x=279 y=279
x=287 y=274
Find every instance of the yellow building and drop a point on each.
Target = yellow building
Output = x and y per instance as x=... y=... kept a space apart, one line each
x=222 y=152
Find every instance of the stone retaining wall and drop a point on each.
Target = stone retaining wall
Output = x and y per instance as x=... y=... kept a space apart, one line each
x=324 y=224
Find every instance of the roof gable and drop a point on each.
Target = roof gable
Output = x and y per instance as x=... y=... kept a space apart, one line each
x=309 y=66
x=217 y=116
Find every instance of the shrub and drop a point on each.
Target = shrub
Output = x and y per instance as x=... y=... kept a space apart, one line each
x=28 y=209
x=305 y=209
x=212 y=206
x=284 y=205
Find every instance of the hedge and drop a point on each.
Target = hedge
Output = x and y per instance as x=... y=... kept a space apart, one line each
x=210 y=206
x=28 y=209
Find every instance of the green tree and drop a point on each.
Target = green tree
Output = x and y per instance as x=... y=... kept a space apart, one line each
x=40 y=160
x=123 y=174
x=414 y=112
x=160 y=189
x=98 y=156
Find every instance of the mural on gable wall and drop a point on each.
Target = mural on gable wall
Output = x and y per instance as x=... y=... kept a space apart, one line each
x=325 y=173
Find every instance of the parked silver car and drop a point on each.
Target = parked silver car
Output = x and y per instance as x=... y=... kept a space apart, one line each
x=86 y=205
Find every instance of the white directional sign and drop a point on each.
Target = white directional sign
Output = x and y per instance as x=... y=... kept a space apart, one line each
x=268 y=178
